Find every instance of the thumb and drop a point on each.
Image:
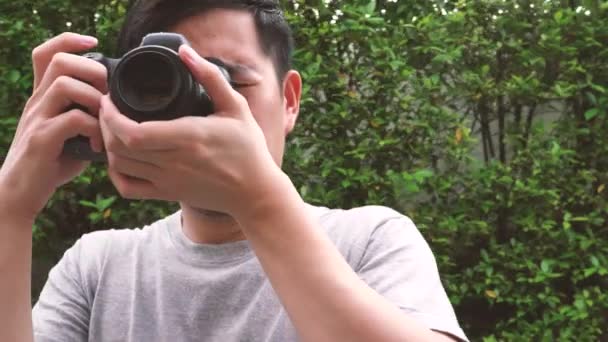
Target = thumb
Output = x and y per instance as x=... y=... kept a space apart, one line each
x=224 y=97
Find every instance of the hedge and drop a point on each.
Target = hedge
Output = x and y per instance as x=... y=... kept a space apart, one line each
x=484 y=121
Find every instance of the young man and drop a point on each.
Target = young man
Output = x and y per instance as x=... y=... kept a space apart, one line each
x=246 y=259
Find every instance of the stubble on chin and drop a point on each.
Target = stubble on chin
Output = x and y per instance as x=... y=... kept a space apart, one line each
x=213 y=215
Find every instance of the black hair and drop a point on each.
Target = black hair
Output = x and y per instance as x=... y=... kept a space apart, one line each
x=147 y=16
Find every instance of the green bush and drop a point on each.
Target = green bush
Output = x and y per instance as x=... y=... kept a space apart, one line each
x=484 y=121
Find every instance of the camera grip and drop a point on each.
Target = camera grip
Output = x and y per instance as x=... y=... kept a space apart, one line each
x=80 y=147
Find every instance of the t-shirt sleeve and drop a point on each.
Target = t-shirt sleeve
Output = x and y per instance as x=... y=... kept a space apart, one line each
x=399 y=264
x=62 y=312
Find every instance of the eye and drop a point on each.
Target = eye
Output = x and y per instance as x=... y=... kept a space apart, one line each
x=239 y=85
x=241 y=77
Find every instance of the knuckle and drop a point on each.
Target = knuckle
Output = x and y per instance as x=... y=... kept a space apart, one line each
x=37 y=52
x=34 y=140
x=214 y=72
x=76 y=118
x=62 y=83
x=65 y=36
x=216 y=75
x=134 y=141
x=59 y=60
x=112 y=160
x=112 y=146
x=41 y=50
x=200 y=151
x=241 y=101
x=119 y=183
x=31 y=102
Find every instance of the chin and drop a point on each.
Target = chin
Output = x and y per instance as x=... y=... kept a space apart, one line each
x=208 y=214
x=211 y=214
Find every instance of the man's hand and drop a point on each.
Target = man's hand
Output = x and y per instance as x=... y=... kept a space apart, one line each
x=34 y=166
x=220 y=162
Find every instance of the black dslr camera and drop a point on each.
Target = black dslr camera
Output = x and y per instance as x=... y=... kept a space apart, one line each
x=150 y=83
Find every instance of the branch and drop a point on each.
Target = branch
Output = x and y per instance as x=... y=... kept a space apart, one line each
x=529 y=119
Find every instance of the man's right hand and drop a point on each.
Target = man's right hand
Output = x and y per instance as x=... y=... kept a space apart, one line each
x=35 y=166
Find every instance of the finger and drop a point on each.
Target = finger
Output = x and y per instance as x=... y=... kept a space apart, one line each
x=65 y=42
x=78 y=67
x=146 y=136
x=225 y=98
x=115 y=146
x=68 y=125
x=134 y=168
x=67 y=92
x=132 y=188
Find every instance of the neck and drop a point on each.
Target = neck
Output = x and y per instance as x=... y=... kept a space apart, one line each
x=208 y=227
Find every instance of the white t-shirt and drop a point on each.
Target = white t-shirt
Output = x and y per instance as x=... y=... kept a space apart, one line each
x=154 y=284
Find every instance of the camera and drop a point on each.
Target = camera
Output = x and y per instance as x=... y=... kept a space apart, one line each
x=150 y=83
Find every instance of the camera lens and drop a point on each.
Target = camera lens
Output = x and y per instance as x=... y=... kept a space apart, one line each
x=148 y=81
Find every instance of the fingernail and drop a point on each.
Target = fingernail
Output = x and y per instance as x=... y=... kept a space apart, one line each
x=88 y=40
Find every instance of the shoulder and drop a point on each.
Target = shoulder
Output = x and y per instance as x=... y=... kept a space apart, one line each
x=94 y=249
x=369 y=221
x=371 y=215
x=364 y=231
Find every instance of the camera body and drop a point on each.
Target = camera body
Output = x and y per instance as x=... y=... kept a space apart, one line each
x=150 y=83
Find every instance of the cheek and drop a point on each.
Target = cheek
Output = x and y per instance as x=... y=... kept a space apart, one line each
x=268 y=111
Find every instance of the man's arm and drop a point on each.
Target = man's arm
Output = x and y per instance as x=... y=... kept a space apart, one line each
x=324 y=297
x=15 y=275
x=35 y=167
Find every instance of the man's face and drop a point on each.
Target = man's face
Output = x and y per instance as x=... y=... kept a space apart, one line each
x=231 y=36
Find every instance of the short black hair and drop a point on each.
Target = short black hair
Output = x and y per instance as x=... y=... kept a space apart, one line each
x=147 y=16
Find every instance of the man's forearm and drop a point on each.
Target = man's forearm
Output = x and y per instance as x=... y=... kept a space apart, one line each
x=323 y=296
x=15 y=277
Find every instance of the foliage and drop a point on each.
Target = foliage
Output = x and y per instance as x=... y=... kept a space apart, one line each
x=484 y=121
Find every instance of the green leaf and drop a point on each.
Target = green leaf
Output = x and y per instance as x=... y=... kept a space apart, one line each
x=412 y=188
x=104 y=204
x=422 y=175
x=545 y=266
x=376 y=20
x=88 y=204
x=591 y=114
x=370 y=7
x=579 y=304
x=485 y=69
x=598 y=87
x=591 y=98
x=558 y=16
x=14 y=76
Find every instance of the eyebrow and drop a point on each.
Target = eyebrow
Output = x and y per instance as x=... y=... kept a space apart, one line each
x=230 y=67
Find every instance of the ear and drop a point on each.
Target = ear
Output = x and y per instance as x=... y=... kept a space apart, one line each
x=292 y=92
